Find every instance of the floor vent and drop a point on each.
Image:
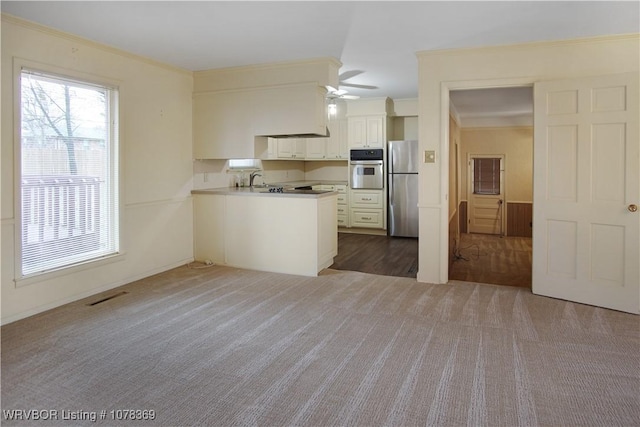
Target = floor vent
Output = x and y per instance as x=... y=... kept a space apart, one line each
x=108 y=298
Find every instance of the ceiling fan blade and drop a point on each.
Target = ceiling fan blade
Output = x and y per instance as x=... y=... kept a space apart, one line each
x=350 y=97
x=358 y=86
x=349 y=74
x=331 y=89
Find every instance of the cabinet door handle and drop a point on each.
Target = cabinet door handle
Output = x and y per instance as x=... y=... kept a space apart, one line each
x=368 y=218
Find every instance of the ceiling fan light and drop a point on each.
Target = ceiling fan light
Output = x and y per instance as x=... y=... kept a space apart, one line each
x=332 y=108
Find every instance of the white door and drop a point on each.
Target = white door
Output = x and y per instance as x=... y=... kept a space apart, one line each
x=586 y=233
x=486 y=194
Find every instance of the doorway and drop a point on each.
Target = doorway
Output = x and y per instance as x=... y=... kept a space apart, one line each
x=491 y=182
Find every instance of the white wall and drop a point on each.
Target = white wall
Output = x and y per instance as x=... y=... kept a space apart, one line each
x=520 y=65
x=155 y=137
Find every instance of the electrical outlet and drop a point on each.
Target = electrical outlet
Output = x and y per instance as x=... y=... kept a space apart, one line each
x=206 y=177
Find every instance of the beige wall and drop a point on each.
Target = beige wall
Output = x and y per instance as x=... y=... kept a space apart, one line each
x=516 y=144
x=518 y=65
x=156 y=169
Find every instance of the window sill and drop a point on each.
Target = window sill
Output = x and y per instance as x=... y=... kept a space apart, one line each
x=65 y=271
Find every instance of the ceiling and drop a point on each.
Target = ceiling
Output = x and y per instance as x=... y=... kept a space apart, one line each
x=375 y=41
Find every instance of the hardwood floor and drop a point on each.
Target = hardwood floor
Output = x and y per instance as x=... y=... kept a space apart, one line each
x=383 y=255
x=483 y=258
x=491 y=259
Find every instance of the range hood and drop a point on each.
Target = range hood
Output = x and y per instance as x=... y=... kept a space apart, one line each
x=303 y=135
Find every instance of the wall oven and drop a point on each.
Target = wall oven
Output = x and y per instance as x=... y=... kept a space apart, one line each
x=366 y=168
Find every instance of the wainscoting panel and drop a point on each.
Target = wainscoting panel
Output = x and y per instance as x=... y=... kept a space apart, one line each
x=519 y=219
x=463 y=216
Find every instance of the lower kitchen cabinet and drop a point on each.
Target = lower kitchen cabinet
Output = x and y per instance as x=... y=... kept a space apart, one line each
x=281 y=233
x=343 y=201
x=366 y=209
x=367 y=218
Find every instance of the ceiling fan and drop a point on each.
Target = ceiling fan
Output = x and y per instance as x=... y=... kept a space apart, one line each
x=333 y=93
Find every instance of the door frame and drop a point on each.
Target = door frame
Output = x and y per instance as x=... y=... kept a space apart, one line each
x=445 y=105
x=503 y=188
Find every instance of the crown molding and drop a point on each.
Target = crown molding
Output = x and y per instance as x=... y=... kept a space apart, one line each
x=30 y=25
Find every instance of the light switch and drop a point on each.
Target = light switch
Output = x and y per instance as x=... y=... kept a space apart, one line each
x=429 y=156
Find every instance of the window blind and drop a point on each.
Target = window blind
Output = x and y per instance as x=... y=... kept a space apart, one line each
x=486 y=176
x=69 y=172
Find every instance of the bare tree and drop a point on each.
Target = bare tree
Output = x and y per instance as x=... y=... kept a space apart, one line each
x=42 y=112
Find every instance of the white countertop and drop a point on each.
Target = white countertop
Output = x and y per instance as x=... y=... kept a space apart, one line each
x=264 y=192
x=308 y=183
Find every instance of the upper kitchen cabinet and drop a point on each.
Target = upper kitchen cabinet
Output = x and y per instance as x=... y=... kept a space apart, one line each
x=368 y=122
x=316 y=148
x=337 y=143
x=233 y=109
x=291 y=148
x=366 y=132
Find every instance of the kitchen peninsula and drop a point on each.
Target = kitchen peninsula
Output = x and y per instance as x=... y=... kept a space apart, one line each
x=293 y=232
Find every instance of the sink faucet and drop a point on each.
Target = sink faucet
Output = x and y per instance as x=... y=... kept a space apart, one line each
x=252 y=176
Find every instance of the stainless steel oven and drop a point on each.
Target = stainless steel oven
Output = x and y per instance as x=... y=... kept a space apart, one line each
x=366 y=168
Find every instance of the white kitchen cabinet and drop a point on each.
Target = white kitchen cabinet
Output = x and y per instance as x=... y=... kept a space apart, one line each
x=316 y=148
x=281 y=233
x=366 y=198
x=367 y=132
x=292 y=148
x=337 y=143
x=272 y=148
x=367 y=209
x=343 y=201
x=367 y=218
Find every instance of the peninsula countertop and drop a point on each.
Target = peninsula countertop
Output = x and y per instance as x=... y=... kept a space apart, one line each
x=260 y=191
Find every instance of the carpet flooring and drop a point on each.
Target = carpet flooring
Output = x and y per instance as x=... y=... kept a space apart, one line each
x=228 y=347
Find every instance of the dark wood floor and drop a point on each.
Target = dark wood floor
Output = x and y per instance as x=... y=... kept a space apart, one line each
x=493 y=259
x=482 y=258
x=383 y=255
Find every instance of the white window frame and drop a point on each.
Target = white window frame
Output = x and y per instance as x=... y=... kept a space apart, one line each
x=115 y=161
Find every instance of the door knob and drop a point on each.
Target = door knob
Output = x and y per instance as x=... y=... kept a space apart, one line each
x=632 y=208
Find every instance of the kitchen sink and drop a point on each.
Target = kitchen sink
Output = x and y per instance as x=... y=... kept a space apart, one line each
x=294 y=191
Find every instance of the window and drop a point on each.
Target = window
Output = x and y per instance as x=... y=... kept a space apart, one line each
x=68 y=172
x=486 y=176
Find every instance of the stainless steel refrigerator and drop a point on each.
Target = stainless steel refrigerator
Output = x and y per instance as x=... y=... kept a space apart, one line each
x=402 y=183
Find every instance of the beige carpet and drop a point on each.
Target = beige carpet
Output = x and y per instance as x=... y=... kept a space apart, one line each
x=226 y=347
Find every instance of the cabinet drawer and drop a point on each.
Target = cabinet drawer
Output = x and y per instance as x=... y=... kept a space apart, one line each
x=342 y=221
x=342 y=199
x=340 y=188
x=367 y=199
x=367 y=218
x=342 y=210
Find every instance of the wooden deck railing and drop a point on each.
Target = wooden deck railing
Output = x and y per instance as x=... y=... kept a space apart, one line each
x=60 y=210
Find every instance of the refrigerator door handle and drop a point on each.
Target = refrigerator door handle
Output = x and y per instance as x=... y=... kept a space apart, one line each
x=390 y=184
